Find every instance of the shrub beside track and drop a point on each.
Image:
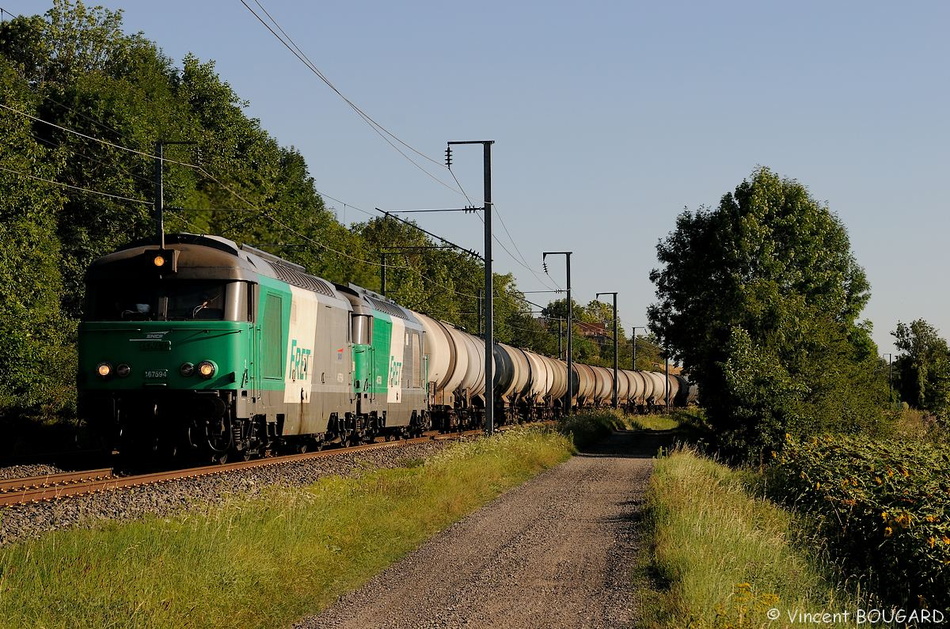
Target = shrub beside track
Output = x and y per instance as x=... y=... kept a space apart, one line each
x=884 y=505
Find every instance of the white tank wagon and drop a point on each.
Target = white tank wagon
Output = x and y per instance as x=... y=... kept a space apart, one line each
x=456 y=377
x=555 y=398
x=527 y=385
x=512 y=375
x=586 y=385
x=623 y=387
x=603 y=385
x=472 y=389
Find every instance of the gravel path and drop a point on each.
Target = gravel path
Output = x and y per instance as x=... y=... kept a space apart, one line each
x=555 y=552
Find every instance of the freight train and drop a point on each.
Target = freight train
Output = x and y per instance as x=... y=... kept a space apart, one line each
x=195 y=346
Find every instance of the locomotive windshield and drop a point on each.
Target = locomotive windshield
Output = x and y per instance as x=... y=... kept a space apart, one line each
x=168 y=300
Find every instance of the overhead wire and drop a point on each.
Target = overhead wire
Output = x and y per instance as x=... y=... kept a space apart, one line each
x=387 y=136
x=72 y=187
x=287 y=41
x=199 y=169
x=382 y=131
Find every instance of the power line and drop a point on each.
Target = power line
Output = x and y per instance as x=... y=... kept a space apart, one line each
x=198 y=169
x=71 y=187
x=382 y=131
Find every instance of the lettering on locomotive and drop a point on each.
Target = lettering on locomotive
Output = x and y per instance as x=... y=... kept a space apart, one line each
x=299 y=361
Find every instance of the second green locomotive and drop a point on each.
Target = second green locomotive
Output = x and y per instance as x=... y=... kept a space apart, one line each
x=201 y=346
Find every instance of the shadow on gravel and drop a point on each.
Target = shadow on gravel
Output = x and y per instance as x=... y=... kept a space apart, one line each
x=633 y=513
x=633 y=444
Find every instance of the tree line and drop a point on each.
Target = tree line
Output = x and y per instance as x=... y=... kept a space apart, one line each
x=84 y=107
x=760 y=298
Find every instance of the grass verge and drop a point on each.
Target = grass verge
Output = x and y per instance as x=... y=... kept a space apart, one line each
x=724 y=558
x=264 y=562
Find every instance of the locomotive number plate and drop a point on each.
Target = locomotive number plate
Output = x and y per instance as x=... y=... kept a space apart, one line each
x=156 y=374
x=156 y=346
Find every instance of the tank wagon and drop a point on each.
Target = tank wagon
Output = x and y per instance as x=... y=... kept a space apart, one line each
x=202 y=348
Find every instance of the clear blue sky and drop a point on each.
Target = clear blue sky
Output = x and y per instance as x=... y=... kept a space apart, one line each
x=609 y=118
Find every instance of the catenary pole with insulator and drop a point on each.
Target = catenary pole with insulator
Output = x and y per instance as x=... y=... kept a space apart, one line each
x=489 y=293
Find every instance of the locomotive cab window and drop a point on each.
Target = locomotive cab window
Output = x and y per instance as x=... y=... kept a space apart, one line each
x=168 y=300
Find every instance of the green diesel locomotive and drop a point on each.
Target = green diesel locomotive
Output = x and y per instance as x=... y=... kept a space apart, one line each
x=193 y=345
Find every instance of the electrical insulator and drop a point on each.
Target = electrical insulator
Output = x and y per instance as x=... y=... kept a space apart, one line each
x=448 y=157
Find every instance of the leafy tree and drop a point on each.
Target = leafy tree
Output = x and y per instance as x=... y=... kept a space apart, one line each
x=35 y=358
x=923 y=369
x=759 y=300
x=649 y=353
x=90 y=79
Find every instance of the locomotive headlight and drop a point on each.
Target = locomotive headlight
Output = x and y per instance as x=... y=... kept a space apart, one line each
x=122 y=370
x=104 y=370
x=187 y=370
x=206 y=369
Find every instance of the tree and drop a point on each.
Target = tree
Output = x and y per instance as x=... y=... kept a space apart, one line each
x=923 y=369
x=116 y=91
x=35 y=356
x=649 y=353
x=759 y=299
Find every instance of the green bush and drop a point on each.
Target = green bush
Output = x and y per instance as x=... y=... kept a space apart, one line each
x=885 y=506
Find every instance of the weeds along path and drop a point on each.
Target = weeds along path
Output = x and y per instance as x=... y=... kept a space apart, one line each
x=558 y=551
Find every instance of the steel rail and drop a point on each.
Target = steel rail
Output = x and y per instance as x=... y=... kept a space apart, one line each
x=27 y=490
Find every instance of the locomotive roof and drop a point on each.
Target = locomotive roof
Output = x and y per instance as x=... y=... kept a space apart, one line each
x=208 y=257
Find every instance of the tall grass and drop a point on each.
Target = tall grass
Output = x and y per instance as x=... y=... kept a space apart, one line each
x=728 y=557
x=262 y=562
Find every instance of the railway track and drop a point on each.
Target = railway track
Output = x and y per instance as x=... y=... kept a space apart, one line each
x=58 y=486
x=19 y=490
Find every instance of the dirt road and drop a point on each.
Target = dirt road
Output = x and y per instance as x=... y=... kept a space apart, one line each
x=555 y=552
